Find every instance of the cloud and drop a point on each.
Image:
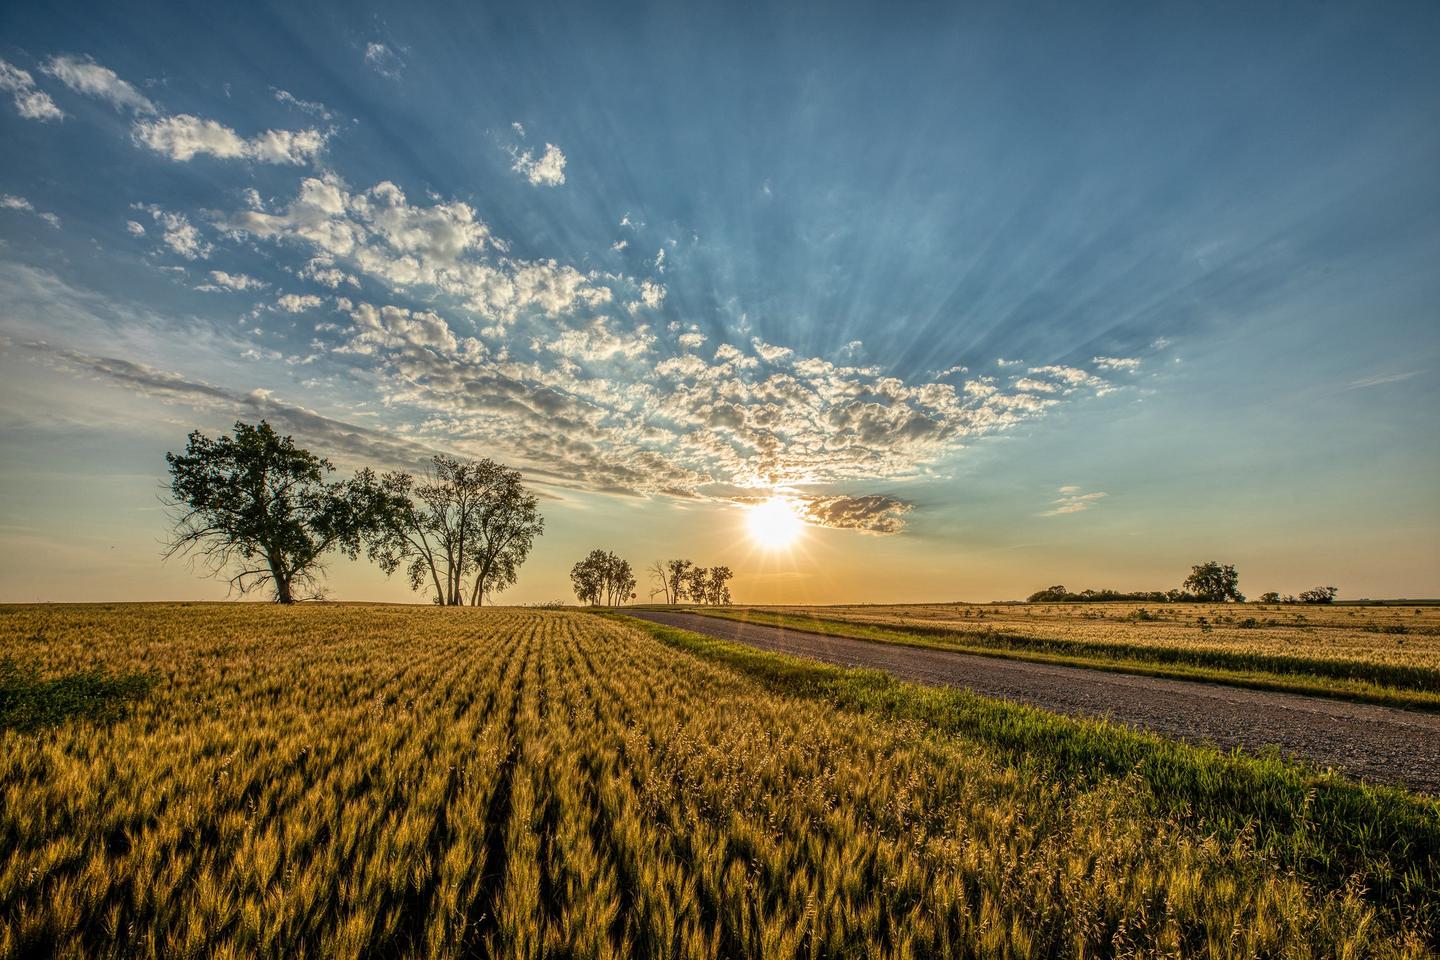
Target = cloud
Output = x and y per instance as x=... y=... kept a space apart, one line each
x=384 y=60
x=691 y=340
x=136 y=229
x=441 y=246
x=1072 y=501
x=297 y=302
x=232 y=281
x=1381 y=379
x=87 y=77
x=9 y=201
x=871 y=514
x=652 y=294
x=1128 y=364
x=312 y=107
x=397 y=327
x=183 y=136
x=180 y=235
x=30 y=102
x=347 y=442
x=547 y=171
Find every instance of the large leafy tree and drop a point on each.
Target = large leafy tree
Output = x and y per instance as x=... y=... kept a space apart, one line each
x=258 y=509
x=463 y=529
x=1214 y=582
x=603 y=577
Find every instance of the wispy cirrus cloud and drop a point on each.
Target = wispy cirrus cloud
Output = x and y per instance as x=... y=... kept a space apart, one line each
x=9 y=201
x=183 y=137
x=1072 y=500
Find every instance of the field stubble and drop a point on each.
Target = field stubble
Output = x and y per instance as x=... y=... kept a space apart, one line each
x=417 y=782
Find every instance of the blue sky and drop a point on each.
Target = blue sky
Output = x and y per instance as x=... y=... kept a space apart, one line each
x=998 y=295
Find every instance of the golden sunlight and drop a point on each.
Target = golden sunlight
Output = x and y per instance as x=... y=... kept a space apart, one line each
x=775 y=524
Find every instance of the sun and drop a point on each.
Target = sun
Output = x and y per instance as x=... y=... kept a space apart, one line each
x=774 y=524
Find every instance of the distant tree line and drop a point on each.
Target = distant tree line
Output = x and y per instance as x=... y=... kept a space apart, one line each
x=1313 y=595
x=1209 y=582
x=261 y=511
x=679 y=581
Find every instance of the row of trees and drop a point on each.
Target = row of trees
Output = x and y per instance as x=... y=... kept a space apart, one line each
x=681 y=580
x=1313 y=595
x=260 y=510
x=604 y=578
x=1210 y=582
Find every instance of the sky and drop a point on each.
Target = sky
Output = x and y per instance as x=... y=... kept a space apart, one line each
x=991 y=296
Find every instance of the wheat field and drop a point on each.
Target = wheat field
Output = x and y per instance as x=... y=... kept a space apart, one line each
x=390 y=781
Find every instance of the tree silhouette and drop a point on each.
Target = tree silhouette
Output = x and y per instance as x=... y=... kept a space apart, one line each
x=1214 y=582
x=257 y=508
x=466 y=527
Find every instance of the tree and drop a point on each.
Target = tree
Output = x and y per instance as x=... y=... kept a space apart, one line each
x=588 y=577
x=466 y=527
x=602 y=576
x=697 y=582
x=677 y=578
x=621 y=583
x=1319 y=595
x=1270 y=597
x=660 y=582
x=1214 y=583
x=718 y=589
x=258 y=508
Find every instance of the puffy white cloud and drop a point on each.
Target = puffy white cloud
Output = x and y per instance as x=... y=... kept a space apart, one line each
x=1129 y=364
x=443 y=246
x=769 y=352
x=598 y=342
x=30 y=102
x=546 y=171
x=691 y=340
x=397 y=328
x=297 y=302
x=136 y=229
x=232 y=281
x=652 y=294
x=183 y=136
x=87 y=77
x=180 y=235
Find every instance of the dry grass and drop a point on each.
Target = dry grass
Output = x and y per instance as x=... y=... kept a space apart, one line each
x=421 y=782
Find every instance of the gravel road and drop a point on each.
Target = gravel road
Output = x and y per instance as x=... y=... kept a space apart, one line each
x=1372 y=743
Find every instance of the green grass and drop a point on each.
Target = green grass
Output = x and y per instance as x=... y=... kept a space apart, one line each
x=30 y=702
x=1416 y=688
x=1329 y=829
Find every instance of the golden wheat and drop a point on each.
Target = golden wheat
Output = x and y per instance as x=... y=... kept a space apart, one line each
x=363 y=781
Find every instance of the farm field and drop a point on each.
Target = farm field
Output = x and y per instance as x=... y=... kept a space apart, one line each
x=397 y=781
x=1387 y=654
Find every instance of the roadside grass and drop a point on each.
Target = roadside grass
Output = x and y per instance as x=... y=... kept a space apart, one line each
x=1331 y=830
x=29 y=701
x=1410 y=687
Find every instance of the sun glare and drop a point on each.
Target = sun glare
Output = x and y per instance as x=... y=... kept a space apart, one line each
x=774 y=523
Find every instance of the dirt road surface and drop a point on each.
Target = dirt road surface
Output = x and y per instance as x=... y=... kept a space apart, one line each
x=1372 y=743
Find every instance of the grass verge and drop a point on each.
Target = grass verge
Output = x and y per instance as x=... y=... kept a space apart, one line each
x=1388 y=685
x=1330 y=830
